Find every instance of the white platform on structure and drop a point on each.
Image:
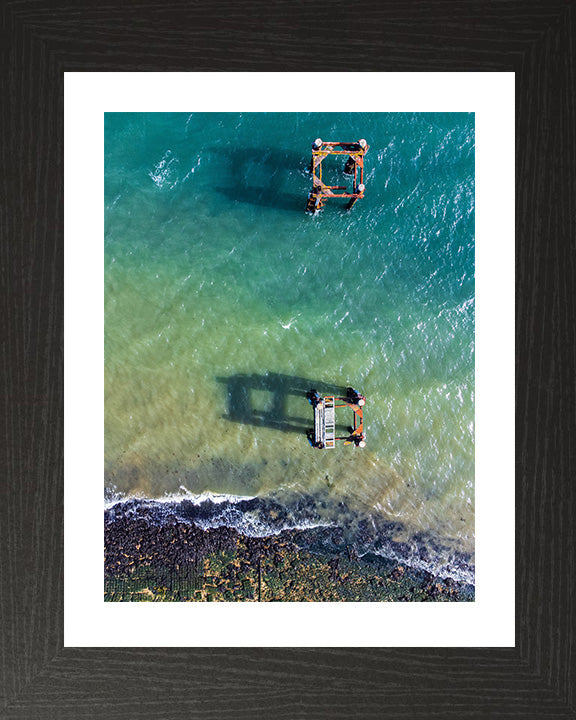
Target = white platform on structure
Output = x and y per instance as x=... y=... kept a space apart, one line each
x=325 y=423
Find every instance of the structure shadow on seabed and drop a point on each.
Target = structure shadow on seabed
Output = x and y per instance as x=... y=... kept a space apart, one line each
x=262 y=399
x=263 y=177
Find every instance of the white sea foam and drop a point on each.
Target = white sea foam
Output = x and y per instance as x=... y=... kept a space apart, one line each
x=438 y=567
x=165 y=171
x=184 y=494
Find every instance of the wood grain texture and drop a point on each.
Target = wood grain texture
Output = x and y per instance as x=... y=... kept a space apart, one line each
x=39 y=41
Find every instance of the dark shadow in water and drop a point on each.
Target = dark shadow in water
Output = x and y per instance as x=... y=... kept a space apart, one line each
x=244 y=407
x=267 y=177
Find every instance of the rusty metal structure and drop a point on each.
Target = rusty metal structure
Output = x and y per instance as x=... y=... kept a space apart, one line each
x=324 y=436
x=354 y=166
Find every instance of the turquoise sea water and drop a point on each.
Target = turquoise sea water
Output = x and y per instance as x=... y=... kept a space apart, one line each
x=224 y=302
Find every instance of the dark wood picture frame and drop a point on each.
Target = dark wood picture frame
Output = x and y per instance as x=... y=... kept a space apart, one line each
x=39 y=678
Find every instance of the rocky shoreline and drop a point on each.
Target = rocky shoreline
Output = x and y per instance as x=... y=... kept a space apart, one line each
x=178 y=561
